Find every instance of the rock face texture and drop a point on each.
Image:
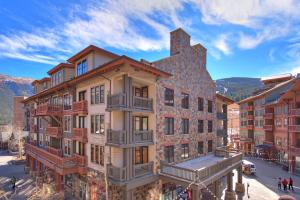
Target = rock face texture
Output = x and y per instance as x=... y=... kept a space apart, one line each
x=187 y=64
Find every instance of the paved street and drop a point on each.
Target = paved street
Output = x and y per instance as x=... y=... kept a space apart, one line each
x=25 y=185
x=263 y=185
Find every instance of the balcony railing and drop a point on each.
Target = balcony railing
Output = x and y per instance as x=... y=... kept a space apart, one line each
x=250 y=117
x=295 y=112
x=268 y=127
x=294 y=128
x=54 y=132
x=143 y=169
x=269 y=116
x=142 y=103
x=80 y=134
x=54 y=151
x=116 y=137
x=116 y=173
x=145 y=136
x=80 y=107
x=250 y=127
x=49 y=109
x=221 y=116
x=116 y=101
x=202 y=174
x=33 y=128
x=81 y=160
x=249 y=108
x=63 y=165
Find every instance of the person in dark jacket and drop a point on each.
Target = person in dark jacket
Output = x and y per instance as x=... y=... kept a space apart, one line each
x=291 y=182
x=279 y=183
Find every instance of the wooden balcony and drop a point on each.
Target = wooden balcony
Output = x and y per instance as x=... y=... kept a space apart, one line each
x=250 y=117
x=81 y=160
x=141 y=103
x=115 y=137
x=268 y=127
x=294 y=128
x=250 y=127
x=118 y=174
x=116 y=101
x=54 y=151
x=80 y=107
x=201 y=172
x=295 y=150
x=54 y=132
x=62 y=165
x=269 y=116
x=249 y=108
x=49 y=109
x=295 y=112
x=143 y=137
x=80 y=134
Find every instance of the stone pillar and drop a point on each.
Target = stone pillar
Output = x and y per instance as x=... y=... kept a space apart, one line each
x=229 y=193
x=58 y=182
x=240 y=187
x=196 y=194
x=129 y=194
x=216 y=191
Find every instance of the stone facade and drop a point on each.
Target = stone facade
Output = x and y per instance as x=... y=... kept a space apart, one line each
x=187 y=64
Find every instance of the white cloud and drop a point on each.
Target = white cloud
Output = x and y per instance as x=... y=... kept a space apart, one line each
x=222 y=45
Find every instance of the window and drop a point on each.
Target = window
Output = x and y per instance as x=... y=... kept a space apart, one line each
x=184 y=151
x=200 y=126
x=169 y=97
x=169 y=126
x=78 y=148
x=81 y=95
x=278 y=110
x=261 y=123
x=140 y=123
x=81 y=122
x=67 y=123
x=141 y=92
x=97 y=94
x=185 y=126
x=67 y=102
x=97 y=154
x=209 y=145
x=209 y=126
x=278 y=122
x=82 y=67
x=200 y=147
x=97 y=124
x=141 y=155
x=184 y=100
x=209 y=106
x=169 y=154
x=285 y=122
x=200 y=104
x=67 y=147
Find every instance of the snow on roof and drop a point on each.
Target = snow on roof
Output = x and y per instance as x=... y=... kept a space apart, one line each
x=276 y=77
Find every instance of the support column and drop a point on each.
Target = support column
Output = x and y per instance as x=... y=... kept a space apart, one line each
x=32 y=166
x=39 y=169
x=216 y=186
x=240 y=187
x=58 y=182
x=129 y=194
x=196 y=194
x=229 y=193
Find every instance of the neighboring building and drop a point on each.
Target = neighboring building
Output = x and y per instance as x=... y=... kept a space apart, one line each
x=222 y=104
x=5 y=133
x=110 y=127
x=234 y=125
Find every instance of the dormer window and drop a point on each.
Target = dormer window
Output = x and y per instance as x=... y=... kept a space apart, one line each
x=57 y=78
x=82 y=67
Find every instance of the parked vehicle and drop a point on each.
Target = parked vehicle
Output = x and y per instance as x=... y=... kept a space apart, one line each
x=248 y=167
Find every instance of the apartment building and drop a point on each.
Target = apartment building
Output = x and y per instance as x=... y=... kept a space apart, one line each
x=105 y=126
x=234 y=125
x=222 y=104
x=274 y=109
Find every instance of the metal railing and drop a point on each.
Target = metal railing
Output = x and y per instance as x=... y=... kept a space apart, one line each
x=142 y=103
x=143 y=136
x=143 y=169
x=116 y=173
x=116 y=100
x=116 y=136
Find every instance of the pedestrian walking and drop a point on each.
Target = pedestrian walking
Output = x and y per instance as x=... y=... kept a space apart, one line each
x=279 y=183
x=284 y=183
x=13 y=182
x=291 y=182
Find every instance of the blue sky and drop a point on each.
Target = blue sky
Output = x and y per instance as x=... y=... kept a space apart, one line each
x=250 y=38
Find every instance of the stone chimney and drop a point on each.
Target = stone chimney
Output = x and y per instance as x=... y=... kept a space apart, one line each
x=179 y=41
x=201 y=53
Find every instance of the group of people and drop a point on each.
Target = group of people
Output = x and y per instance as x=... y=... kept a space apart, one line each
x=287 y=184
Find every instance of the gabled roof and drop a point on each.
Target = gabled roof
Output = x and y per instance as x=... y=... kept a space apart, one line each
x=291 y=92
x=224 y=98
x=41 y=80
x=114 y=64
x=252 y=98
x=60 y=66
x=89 y=49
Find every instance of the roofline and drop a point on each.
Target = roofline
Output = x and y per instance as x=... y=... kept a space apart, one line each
x=227 y=99
x=103 y=69
x=251 y=98
x=87 y=50
x=41 y=80
x=60 y=66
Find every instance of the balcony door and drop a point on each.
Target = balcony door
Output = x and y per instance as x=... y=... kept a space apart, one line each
x=141 y=91
x=141 y=155
x=82 y=96
x=140 y=123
